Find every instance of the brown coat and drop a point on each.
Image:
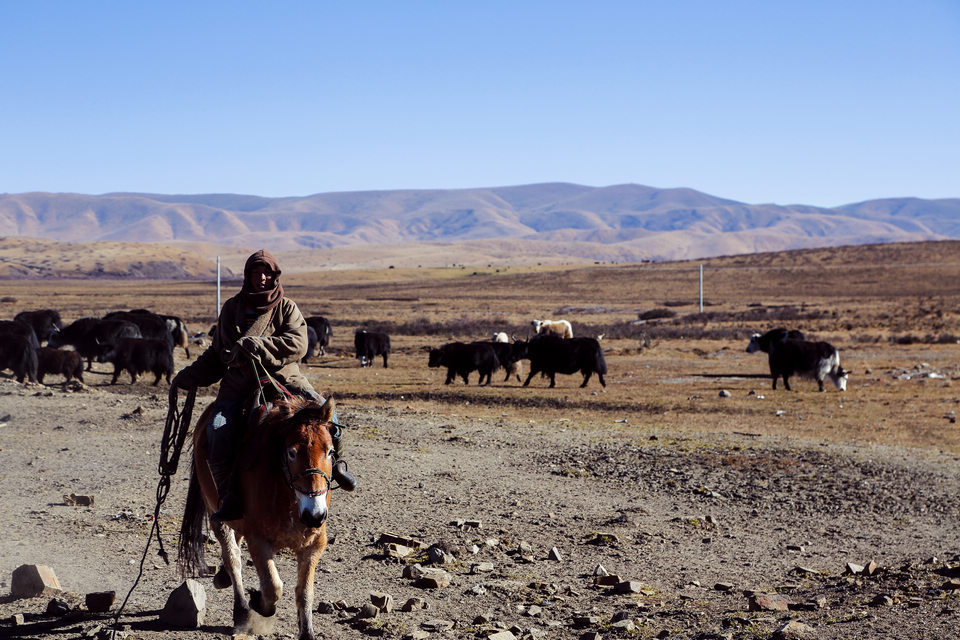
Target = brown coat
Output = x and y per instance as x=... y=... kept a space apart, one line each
x=278 y=338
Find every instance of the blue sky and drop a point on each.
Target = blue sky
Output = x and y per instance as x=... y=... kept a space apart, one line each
x=815 y=102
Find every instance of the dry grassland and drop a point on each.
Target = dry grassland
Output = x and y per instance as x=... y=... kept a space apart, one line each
x=892 y=310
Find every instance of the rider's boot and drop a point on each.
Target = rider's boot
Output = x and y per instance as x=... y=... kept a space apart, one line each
x=344 y=478
x=228 y=492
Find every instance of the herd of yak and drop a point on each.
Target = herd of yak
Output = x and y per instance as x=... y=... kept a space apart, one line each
x=36 y=343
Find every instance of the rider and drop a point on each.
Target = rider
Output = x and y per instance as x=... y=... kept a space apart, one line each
x=258 y=324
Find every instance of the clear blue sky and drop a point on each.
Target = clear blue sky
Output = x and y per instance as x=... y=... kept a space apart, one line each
x=816 y=102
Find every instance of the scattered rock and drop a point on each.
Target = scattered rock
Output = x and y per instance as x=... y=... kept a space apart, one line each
x=794 y=630
x=32 y=580
x=882 y=600
x=628 y=587
x=57 y=607
x=580 y=622
x=326 y=608
x=414 y=604
x=186 y=606
x=390 y=538
x=554 y=555
x=433 y=578
x=437 y=625
x=100 y=602
x=74 y=500
x=767 y=602
x=382 y=601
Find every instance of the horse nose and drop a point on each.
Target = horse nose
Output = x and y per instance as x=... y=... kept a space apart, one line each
x=313 y=519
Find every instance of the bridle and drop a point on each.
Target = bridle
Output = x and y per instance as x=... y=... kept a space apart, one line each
x=306 y=473
x=292 y=479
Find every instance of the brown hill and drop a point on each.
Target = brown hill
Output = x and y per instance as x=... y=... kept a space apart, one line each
x=30 y=258
x=542 y=222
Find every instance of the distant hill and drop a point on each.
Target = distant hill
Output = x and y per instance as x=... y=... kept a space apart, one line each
x=541 y=221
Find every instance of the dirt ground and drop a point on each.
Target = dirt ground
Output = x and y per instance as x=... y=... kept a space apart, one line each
x=687 y=500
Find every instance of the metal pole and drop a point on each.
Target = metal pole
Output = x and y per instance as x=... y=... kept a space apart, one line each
x=218 y=288
x=701 y=288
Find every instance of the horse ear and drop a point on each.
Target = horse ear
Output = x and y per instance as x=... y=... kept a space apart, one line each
x=328 y=410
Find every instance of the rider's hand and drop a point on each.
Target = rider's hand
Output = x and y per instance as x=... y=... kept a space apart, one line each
x=182 y=381
x=250 y=344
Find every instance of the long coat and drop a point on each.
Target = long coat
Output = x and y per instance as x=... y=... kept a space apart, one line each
x=279 y=339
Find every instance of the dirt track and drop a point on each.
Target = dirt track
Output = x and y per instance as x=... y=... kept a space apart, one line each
x=694 y=520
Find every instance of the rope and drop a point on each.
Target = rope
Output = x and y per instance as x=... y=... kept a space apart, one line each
x=174 y=435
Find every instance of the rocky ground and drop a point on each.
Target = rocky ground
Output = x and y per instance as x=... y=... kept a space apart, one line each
x=546 y=528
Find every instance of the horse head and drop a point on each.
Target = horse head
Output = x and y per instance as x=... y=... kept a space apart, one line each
x=304 y=430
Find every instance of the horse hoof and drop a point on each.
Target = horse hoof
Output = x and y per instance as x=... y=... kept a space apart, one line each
x=256 y=603
x=222 y=579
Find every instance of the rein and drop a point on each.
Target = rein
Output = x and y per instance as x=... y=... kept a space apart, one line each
x=175 y=432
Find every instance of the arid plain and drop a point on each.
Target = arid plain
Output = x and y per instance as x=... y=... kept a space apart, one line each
x=694 y=488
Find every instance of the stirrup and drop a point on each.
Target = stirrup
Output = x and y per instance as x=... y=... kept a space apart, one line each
x=346 y=480
x=231 y=508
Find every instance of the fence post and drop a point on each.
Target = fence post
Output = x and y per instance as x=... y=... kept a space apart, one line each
x=217 y=314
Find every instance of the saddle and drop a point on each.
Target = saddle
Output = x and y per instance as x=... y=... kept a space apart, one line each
x=259 y=407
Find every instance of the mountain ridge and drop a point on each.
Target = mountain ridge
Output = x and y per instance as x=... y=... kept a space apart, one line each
x=626 y=220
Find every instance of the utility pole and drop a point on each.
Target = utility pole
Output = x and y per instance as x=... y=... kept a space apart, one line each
x=217 y=314
x=701 y=287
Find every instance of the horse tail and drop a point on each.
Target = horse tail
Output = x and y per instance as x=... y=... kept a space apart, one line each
x=190 y=548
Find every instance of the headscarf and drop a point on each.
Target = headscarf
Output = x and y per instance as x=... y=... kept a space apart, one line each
x=261 y=301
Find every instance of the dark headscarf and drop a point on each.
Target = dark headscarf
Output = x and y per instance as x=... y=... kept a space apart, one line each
x=261 y=301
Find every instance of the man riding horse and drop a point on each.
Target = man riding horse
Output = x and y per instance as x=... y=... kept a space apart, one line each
x=259 y=333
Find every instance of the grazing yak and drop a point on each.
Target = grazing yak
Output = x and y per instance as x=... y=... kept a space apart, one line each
x=762 y=342
x=311 y=344
x=141 y=355
x=9 y=328
x=551 y=355
x=45 y=322
x=93 y=337
x=510 y=354
x=150 y=324
x=324 y=332
x=370 y=344
x=18 y=354
x=790 y=356
x=179 y=333
x=500 y=336
x=461 y=359
x=559 y=328
x=67 y=363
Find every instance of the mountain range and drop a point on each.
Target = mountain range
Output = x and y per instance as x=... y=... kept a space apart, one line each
x=628 y=222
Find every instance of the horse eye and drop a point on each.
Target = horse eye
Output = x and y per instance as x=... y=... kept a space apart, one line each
x=292 y=453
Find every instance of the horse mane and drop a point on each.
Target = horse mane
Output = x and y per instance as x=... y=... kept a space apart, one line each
x=284 y=409
x=264 y=436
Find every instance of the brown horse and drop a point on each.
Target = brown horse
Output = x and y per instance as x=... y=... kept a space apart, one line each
x=284 y=465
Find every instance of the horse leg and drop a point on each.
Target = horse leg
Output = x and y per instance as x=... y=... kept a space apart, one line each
x=307 y=559
x=265 y=600
x=230 y=556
